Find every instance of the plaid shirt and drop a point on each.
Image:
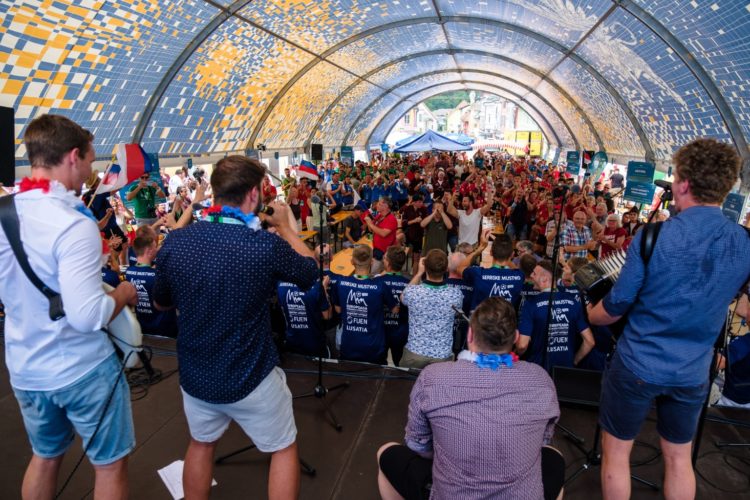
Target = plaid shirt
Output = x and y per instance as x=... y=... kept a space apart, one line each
x=484 y=428
x=574 y=237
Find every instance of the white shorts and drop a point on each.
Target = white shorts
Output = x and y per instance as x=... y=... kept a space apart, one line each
x=265 y=415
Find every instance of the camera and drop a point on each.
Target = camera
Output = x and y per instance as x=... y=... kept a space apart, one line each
x=198 y=174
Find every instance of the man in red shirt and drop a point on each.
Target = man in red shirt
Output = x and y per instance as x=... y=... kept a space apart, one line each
x=383 y=228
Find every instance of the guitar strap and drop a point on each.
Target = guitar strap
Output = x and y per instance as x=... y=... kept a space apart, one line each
x=11 y=227
x=648 y=241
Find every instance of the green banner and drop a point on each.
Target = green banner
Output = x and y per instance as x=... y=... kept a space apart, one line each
x=347 y=155
x=573 y=160
x=639 y=192
x=640 y=171
x=598 y=163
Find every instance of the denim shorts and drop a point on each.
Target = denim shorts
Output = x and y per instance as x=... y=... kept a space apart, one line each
x=265 y=415
x=627 y=399
x=51 y=417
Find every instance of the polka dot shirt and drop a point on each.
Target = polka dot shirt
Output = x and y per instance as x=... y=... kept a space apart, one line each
x=219 y=276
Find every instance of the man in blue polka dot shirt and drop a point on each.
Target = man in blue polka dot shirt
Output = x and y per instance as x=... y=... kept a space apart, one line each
x=219 y=273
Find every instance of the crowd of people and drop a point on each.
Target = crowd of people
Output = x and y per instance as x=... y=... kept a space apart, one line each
x=472 y=313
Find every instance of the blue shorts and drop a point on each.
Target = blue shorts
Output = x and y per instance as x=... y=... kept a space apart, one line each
x=50 y=417
x=626 y=401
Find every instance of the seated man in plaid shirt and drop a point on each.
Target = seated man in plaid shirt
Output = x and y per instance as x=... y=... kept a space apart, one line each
x=459 y=414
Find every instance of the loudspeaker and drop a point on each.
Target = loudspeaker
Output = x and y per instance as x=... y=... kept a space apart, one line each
x=316 y=152
x=7 y=147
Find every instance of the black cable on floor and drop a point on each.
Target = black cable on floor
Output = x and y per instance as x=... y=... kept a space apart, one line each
x=140 y=381
x=726 y=457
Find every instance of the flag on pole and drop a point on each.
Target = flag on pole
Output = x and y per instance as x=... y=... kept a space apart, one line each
x=132 y=162
x=308 y=170
x=110 y=180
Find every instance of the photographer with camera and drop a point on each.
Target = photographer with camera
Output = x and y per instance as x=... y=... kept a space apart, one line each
x=227 y=358
x=675 y=307
x=143 y=195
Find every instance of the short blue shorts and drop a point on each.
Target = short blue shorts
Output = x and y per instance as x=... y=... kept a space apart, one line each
x=50 y=417
x=626 y=401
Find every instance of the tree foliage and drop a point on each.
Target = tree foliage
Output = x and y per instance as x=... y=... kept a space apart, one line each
x=447 y=100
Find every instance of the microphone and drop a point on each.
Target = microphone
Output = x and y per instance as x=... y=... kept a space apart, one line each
x=665 y=185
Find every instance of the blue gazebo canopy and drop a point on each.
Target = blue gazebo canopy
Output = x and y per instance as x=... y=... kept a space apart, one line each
x=431 y=141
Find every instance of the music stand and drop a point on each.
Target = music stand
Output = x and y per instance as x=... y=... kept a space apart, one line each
x=580 y=387
x=320 y=390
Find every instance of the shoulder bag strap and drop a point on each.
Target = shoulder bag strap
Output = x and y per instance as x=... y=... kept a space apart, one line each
x=11 y=227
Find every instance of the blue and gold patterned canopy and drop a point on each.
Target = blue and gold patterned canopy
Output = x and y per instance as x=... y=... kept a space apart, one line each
x=632 y=77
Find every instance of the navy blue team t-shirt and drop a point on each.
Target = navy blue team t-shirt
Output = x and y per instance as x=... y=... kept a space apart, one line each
x=110 y=277
x=303 y=315
x=466 y=290
x=495 y=281
x=362 y=329
x=567 y=322
x=152 y=322
x=396 y=324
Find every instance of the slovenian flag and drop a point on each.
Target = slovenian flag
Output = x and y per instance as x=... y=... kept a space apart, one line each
x=307 y=169
x=132 y=162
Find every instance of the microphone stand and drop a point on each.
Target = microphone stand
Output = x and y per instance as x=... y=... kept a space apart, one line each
x=320 y=390
x=555 y=259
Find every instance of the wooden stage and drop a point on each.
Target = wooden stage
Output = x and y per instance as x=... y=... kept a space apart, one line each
x=372 y=411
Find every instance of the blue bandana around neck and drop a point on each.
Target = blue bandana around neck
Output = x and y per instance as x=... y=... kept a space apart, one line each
x=250 y=220
x=491 y=361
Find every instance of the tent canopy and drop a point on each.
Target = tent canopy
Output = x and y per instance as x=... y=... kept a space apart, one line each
x=461 y=138
x=430 y=141
x=636 y=79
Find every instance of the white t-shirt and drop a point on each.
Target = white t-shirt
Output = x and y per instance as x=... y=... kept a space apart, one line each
x=64 y=249
x=175 y=183
x=468 y=226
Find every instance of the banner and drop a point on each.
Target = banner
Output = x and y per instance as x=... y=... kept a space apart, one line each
x=598 y=163
x=347 y=155
x=384 y=148
x=639 y=192
x=573 y=160
x=640 y=171
x=732 y=207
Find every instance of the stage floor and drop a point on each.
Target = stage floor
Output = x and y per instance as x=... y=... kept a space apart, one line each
x=372 y=411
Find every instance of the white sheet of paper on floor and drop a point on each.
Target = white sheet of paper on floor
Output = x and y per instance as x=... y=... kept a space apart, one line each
x=172 y=477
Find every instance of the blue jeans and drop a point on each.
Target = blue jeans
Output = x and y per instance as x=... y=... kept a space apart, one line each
x=50 y=417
